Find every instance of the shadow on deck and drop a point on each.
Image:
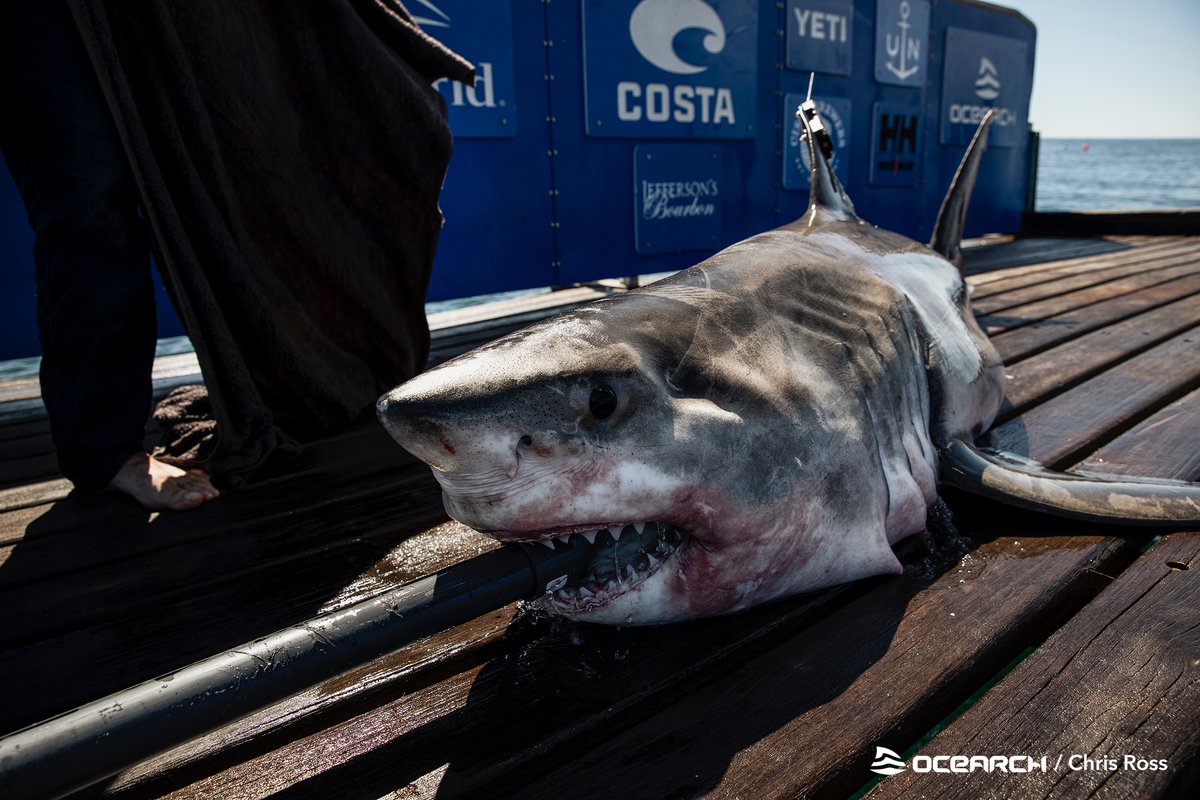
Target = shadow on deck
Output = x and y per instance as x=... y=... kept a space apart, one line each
x=1102 y=349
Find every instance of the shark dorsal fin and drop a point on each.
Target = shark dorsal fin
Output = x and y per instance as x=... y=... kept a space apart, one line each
x=952 y=217
x=826 y=190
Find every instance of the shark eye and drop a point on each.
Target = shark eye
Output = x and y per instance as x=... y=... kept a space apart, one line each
x=603 y=401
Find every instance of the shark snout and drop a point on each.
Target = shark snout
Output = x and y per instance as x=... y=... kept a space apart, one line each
x=449 y=437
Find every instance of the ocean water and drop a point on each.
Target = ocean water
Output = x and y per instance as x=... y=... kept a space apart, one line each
x=1118 y=174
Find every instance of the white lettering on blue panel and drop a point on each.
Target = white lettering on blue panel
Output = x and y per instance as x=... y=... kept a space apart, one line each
x=482 y=33
x=984 y=71
x=901 y=41
x=820 y=35
x=670 y=69
x=677 y=197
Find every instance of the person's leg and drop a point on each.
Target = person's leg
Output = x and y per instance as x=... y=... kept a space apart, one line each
x=95 y=299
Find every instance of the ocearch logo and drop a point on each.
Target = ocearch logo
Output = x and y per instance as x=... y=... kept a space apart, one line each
x=887 y=762
x=987 y=85
x=654 y=25
x=441 y=20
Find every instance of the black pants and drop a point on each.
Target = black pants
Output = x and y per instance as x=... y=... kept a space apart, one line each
x=95 y=298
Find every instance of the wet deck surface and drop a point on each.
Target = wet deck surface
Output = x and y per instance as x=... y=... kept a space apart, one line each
x=1071 y=639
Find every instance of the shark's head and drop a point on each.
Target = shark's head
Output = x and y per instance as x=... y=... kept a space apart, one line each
x=619 y=423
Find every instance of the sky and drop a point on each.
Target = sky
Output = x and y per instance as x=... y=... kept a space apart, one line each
x=1118 y=69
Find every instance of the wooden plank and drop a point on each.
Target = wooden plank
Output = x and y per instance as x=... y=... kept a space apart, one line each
x=1164 y=445
x=207 y=618
x=1109 y=249
x=1025 y=341
x=21 y=470
x=635 y=712
x=446 y=728
x=32 y=445
x=1070 y=426
x=653 y=658
x=416 y=665
x=1060 y=304
x=991 y=283
x=1117 y=681
x=1029 y=252
x=1060 y=368
x=325 y=468
x=1082 y=279
x=27 y=495
x=142 y=573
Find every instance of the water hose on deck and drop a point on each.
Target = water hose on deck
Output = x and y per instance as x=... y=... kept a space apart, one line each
x=83 y=746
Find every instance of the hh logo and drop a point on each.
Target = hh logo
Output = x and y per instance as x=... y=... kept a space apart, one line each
x=655 y=24
x=887 y=762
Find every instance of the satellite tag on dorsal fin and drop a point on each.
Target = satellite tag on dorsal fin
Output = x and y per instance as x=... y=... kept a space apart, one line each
x=952 y=217
x=826 y=190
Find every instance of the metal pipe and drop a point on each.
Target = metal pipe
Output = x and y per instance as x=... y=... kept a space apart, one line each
x=80 y=747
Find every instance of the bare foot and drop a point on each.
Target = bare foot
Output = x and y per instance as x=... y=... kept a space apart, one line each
x=161 y=486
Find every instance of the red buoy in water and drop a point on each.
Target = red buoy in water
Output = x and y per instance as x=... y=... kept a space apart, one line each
x=1085 y=147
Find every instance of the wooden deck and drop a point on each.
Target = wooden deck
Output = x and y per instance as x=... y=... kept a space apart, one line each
x=1008 y=634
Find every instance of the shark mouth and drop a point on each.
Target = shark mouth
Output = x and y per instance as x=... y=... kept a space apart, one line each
x=625 y=556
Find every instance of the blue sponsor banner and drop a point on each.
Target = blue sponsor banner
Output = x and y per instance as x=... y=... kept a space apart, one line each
x=895 y=144
x=901 y=41
x=482 y=34
x=677 y=197
x=984 y=71
x=670 y=68
x=835 y=113
x=820 y=35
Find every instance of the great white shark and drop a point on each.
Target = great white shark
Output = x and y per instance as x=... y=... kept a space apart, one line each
x=768 y=422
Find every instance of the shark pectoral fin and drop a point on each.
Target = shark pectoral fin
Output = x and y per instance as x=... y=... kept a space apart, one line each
x=1020 y=482
x=952 y=216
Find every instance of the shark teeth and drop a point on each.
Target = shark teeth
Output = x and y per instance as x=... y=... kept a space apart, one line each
x=623 y=557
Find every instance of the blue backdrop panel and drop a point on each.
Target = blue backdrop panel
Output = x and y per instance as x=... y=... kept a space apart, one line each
x=497 y=196
x=670 y=68
x=818 y=35
x=975 y=64
x=587 y=115
x=677 y=197
x=17 y=291
x=901 y=41
x=595 y=165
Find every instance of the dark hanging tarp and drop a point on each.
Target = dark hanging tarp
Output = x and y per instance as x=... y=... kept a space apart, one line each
x=289 y=157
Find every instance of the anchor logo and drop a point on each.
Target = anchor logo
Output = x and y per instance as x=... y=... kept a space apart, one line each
x=908 y=48
x=987 y=85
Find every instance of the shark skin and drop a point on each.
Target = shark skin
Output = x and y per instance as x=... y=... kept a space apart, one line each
x=782 y=403
x=765 y=423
